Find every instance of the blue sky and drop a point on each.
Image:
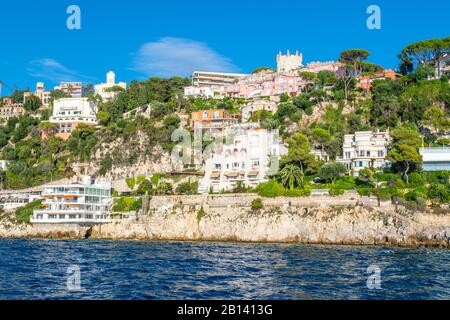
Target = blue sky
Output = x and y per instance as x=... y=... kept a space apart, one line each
x=138 y=39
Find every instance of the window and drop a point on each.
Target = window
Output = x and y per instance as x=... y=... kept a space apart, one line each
x=217 y=166
x=205 y=115
x=380 y=153
x=348 y=155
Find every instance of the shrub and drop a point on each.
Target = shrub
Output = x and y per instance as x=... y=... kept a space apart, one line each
x=364 y=191
x=200 y=215
x=440 y=192
x=270 y=189
x=297 y=193
x=187 y=188
x=23 y=214
x=346 y=183
x=336 y=192
x=383 y=193
x=257 y=204
x=131 y=183
x=415 y=179
x=126 y=204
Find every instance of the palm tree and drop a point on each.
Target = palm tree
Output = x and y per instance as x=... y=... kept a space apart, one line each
x=291 y=176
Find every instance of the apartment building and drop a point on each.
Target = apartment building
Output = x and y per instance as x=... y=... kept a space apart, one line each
x=68 y=113
x=82 y=202
x=246 y=158
x=436 y=159
x=365 y=149
x=107 y=90
x=11 y=109
x=40 y=93
x=212 y=119
x=210 y=84
x=253 y=107
x=266 y=83
x=72 y=89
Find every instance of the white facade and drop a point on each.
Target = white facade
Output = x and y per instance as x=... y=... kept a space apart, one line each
x=104 y=89
x=245 y=158
x=74 y=110
x=73 y=89
x=365 y=149
x=84 y=202
x=251 y=108
x=436 y=159
x=4 y=165
x=201 y=92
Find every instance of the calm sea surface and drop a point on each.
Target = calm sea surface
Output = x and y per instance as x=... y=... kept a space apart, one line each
x=38 y=269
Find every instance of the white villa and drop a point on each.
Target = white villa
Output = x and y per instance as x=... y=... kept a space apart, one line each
x=83 y=202
x=365 y=149
x=106 y=90
x=246 y=157
x=68 y=113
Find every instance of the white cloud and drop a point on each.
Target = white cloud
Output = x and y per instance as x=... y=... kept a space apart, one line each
x=179 y=57
x=53 y=70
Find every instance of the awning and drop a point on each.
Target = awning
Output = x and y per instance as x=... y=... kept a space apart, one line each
x=232 y=174
x=215 y=175
x=253 y=173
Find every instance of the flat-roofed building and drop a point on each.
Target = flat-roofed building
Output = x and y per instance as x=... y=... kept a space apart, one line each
x=83 y=202
x=72 y=89
x=68 y=113
x=365 y=149
x=436 y=159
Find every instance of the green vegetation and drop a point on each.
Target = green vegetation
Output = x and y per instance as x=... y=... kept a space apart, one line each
x=127 y=204
x=24 y=214
x=257 y=204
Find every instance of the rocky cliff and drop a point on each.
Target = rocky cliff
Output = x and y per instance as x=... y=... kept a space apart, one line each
x=320 y=220
x=331 y=224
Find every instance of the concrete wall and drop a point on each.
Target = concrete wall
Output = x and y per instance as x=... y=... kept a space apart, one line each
x=245 y=200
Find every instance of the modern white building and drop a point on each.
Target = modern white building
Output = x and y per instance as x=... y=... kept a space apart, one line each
x=72 y=89
x=107 y=91
x=365 y=149
x=210 y=84
x=82 y=202
x=251 y=108
x=68 y=113
x=436 y=159
x=249 y=154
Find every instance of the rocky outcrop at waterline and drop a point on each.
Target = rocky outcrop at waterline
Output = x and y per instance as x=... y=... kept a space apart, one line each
x=320 y=220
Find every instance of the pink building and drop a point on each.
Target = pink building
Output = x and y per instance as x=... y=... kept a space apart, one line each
x=266 y=83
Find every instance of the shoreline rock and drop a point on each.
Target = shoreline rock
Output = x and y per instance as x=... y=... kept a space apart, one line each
x=324 y=225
